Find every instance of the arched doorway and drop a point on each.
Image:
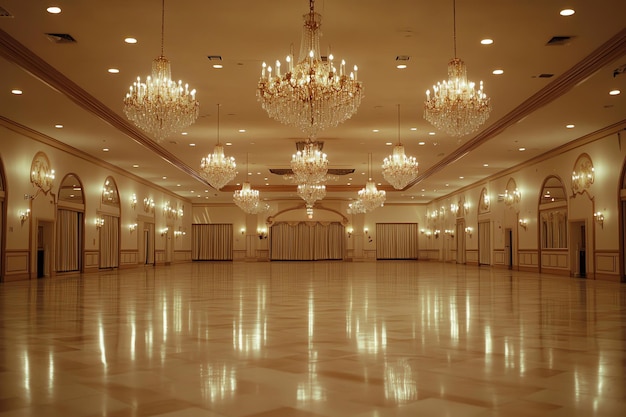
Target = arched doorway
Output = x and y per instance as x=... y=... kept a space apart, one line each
x=3 y=217
x=622 y=226
x=553 y=251
x=108 y=222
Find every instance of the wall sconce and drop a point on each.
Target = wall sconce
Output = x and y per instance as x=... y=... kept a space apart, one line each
x=164 y=231
x=437 y=232
x=523 y=223
x=449 y=232
x=349 y=230
x=469 y=231
x=422 y=231
x=429 y=234
x=148 y=205
x=454 y=208
x=366 y=230
x=262 y=232
x=599 y=218
x=513 y=197
x=132 y=227
x=133 y=201
x=243 y=231
x=466 y=207
x=24 y=215
x=178 y=233
x=99 y=222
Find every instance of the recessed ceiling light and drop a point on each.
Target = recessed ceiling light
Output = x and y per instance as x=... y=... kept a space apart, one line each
x=229 y=144
x=349 y=183
x=113 y=70
x=265 y=179
x=413 y=128
x=105 y=149
x=567 y=12
x=267 y=183
x=130 y=40
x=401 y=66
x=388 y=143
x=614 y=92
x=258 y=173
x=59 y=126
x=447 y=185
x=54 y=9
x=461 y=177
x=178 y=185
x=164 y=178
x=431 y=133
x=497 y=72
x=192 y=144
x=521 y=149
x=375 y=130
x=570 y=126
x=17 y=92
x=192 y=191
x=486 y=41
x=242 y=130
x=249 y=173
x=421 y=143
x=218 y=66
x=184 y=133
x=485 y=165
x=135 y=166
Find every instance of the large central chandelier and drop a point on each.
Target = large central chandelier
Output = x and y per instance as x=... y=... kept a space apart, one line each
x=161 y=106
x=311 y=94
x=309 y=165
x=398 y=169
x=216 y=168
x=455 y=106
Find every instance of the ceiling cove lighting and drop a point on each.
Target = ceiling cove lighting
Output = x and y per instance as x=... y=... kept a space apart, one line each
x=398 y=169
x=216 y=168
x=160 y=106
x=311 y=94
x=455 y=106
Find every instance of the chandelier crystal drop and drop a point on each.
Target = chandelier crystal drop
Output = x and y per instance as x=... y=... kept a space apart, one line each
x=310 y=193
x=161 y=106
x=398 y=169
x=217 y=168
x=311 y=94
x=309 y=165
x=455 y=106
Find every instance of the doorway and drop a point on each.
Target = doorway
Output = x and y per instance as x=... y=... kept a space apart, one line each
x=460 y=241
x=578 y=236
x=508 y=248
x=45 y=233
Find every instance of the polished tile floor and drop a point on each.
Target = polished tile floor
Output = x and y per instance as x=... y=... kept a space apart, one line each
x=307 y=339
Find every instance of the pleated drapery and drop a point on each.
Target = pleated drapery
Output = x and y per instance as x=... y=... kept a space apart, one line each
x=306 y=241
x=68 y=240
x=109 y=242
x=396 y=240
x=212 y=242
x=484 y=243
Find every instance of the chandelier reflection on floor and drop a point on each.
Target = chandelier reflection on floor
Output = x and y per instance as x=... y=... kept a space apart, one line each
x=217 y=168
x=398 y=169
x=311 y=94
x=161 y=106
x=455 y=106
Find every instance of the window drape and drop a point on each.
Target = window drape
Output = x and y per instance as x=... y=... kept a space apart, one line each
x=396 y=241
x=109 y=242
x=68 y=240
x=306 y=241
x=212 y=242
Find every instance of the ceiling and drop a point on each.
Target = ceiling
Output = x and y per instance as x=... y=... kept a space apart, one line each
x=68 y=83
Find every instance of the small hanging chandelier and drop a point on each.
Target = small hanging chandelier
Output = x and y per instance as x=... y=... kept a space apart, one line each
x=398 y=169
x=455 y=106
x=247 y=199
x=370 y=197
x=310 y=193
x=356 y=207
x=311 y=94
x=160 y=106
x=309 y=165
x=216 y=168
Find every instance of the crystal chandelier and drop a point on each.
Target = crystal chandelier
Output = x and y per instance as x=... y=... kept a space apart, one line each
x=311 y=95
x=455 y=106
x=369 y=196
x=356 y=207
x=309 y=165
x=310 y=193
x=161 y=106
x=398 y=169
x=247 y=199
x=216 y=168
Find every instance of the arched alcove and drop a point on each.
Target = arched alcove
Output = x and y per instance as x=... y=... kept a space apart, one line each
x=553 y=227
x=108 y=224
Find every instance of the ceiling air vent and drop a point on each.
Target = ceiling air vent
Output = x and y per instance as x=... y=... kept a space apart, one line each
x=60 y=38
x=560 y=40
x=4 y=12
x=545 y=75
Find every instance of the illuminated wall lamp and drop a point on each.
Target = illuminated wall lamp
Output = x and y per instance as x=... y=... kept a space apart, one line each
x=262 y=233
x=469 y=231
x=133 y=201
x=164 y=231
x=24 y=215
x=243 y=231
x=99 y=222
x=132 y=227
x=437 y=232
x=599 y=218
x=523 y=223
x=350 y=231
x=178 y=233
x=449 y=232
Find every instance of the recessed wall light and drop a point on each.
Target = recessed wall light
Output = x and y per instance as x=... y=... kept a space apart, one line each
x=17 y=92
x=113 y=70
x=486 y=41
x=497 y=72
x=614 y=92
x=570 y=126
x=54 y=10
x=59 y=126
x=567 y=12
x=130 y=40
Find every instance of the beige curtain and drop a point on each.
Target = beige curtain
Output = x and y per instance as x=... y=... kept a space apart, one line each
x=212 y=242
x=484 y=243
x=68 y=240
x=306 y=241
x=109 y=242
x=396 y=240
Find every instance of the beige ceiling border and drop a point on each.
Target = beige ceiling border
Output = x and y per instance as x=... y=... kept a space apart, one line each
x=15 y=52
x=609 y=51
